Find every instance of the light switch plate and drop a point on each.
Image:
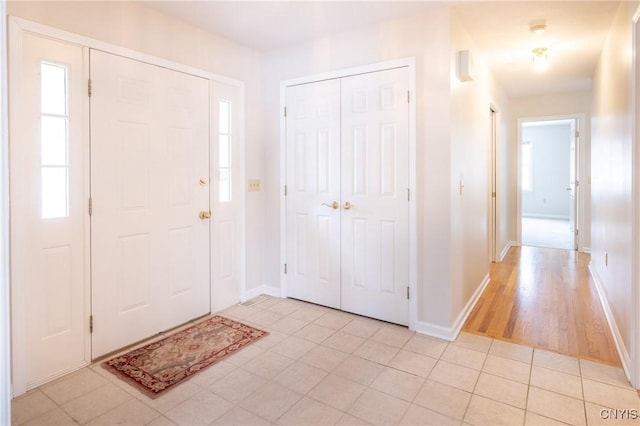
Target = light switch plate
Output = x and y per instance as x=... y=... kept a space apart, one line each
x=253 y=185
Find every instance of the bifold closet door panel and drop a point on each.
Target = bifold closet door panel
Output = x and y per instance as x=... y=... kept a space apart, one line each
x=374 y=192
x=313 y=192
x=149 y=240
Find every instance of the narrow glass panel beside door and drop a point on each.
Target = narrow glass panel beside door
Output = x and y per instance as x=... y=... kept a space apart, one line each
x=54 y=141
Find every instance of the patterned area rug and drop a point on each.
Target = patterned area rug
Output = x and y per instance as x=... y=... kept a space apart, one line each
x=161 y=365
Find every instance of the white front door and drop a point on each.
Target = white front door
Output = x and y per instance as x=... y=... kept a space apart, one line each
x=348 y=144
x=375 y=203
x=149 y=183
x=313 y=192
x=48 y=211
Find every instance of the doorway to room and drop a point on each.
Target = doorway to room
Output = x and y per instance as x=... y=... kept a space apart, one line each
x=549 y=213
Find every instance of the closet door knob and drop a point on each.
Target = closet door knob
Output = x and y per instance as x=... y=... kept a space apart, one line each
x=347 y=205
x=333 y=205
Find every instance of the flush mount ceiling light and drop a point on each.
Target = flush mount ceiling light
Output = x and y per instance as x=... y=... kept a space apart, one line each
x=540 y=58
x=537 y=28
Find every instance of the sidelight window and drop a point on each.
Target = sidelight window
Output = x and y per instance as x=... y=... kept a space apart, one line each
x=224 y=152
x=54 y=141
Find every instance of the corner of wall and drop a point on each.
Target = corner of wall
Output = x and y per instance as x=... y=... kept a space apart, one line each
x=263 y=289
x=451 y=333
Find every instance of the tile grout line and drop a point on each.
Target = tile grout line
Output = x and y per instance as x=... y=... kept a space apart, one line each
x=584 y=402
x=526 y=402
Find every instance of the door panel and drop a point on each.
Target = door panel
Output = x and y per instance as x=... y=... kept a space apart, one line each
x=348 y=142
x=573 y=182
x=227 y=194
x=48 y=202
x=313 y=168
x=375 y=181
x=150 y=249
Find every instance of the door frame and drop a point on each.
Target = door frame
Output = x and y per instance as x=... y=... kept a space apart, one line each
x=493 y=217
x=5 y=328
x=16 y=28
x=410 y=64
x=581 y=173
x=631 y=362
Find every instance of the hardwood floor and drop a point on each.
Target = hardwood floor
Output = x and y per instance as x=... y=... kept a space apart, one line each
x=545 y=298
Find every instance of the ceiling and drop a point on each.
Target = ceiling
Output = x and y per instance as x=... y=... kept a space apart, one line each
x=575 y=35
x=576 y=31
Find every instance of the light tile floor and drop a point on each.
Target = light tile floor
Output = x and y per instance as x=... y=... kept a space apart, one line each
x=321 y=366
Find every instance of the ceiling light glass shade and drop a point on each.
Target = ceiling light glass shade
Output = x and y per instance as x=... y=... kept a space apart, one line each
x=537 y=29
x=540 y=58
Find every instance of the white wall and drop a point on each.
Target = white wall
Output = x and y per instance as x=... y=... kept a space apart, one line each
x=550 y=160
x=146 y=30
x=452 y=141
x=5 y=350
x=470 y=160
x=612 y=173
x=558 y=104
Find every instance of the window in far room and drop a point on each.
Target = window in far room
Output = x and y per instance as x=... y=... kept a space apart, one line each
x=527 y=166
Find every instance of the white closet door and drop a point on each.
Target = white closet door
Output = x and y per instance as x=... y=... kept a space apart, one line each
x=375 y=182
x=150 y=248
x=313 y=179
x=48 y=210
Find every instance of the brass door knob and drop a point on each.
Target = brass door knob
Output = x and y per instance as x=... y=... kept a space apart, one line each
x=347 y=205
x=204 y=215
x=333 y=205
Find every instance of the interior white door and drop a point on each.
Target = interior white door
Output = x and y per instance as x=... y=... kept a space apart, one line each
x=573 y=182
x=227 y=196
x=313 y=192
x=48 y=208
x=375 y=203
x=347 y=199
x=149 y=157
x=493 y=187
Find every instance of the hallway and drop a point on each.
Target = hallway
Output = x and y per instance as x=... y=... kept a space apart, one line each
x=545 y=298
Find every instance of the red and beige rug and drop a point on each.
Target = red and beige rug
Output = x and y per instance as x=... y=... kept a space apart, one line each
x=160 y=365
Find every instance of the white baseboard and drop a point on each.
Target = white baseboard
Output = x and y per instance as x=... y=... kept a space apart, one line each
x=625 y=357
x=263 y=289
x=450 y=333
x=433 y=330
x=504 y=251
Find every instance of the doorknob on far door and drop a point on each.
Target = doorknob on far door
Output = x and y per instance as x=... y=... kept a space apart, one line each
x=333 y=205
x=347 y=205
x=204 y=215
